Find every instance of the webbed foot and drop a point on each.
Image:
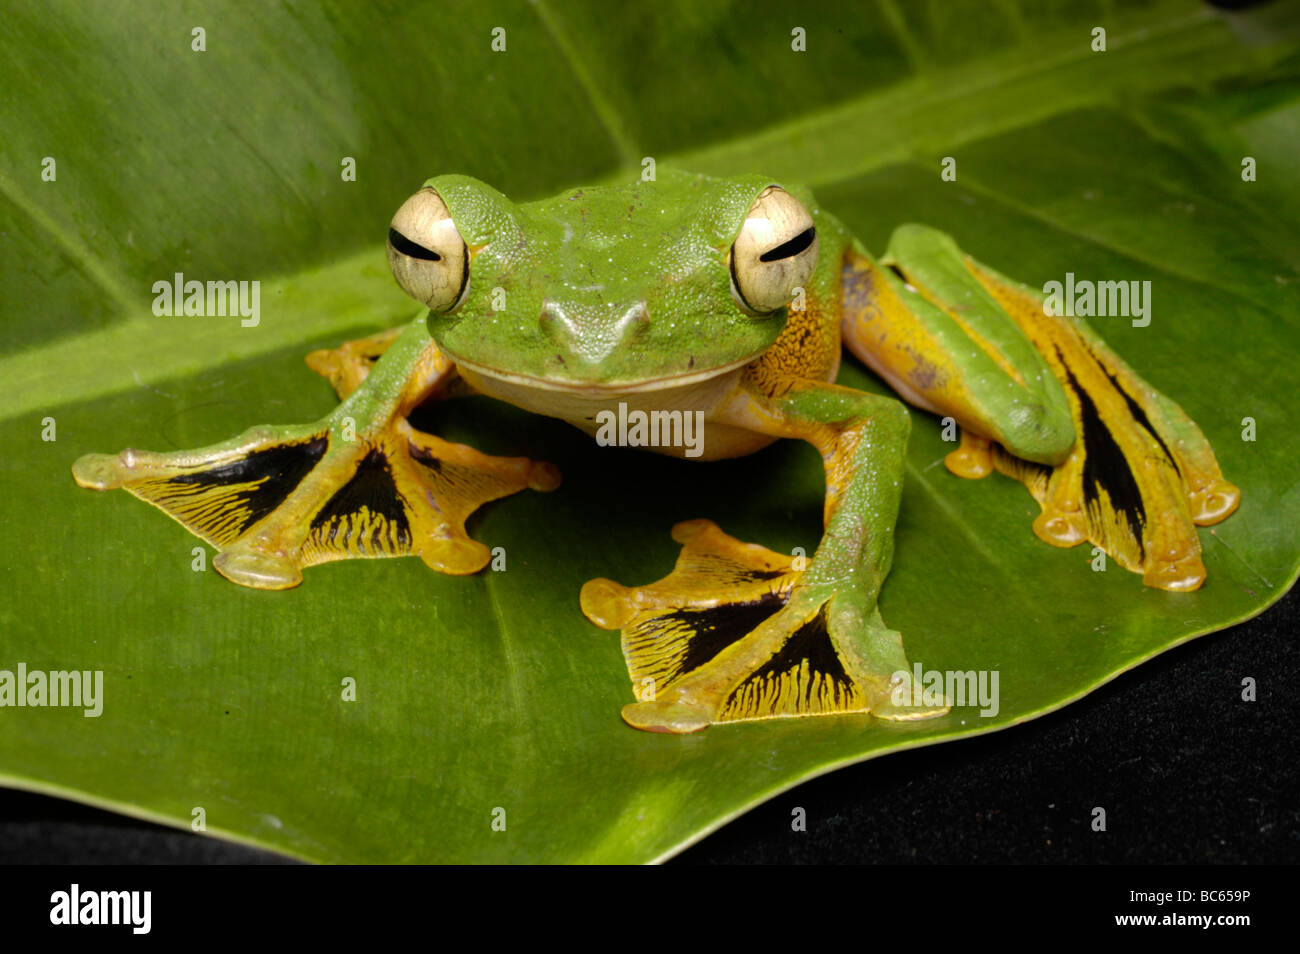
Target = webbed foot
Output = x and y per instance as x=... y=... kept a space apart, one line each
x=277 y=500
x=732 y=635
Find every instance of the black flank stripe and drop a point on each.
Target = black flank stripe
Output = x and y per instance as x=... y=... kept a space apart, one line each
x=1033 y=466
x=1140 y=416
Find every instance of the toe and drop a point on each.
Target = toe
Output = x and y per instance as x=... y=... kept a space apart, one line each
x=677 y=718
x=262 y=571
x=98 y=471
x=607 y=604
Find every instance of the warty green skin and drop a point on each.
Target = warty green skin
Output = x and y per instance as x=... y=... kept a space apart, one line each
x=604 y=285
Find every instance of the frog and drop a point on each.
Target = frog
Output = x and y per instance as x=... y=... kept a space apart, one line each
x=727 y=300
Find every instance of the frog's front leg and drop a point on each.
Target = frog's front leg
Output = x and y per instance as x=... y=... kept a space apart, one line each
x=738 y=632
x=360 y=482
x=1041 y=397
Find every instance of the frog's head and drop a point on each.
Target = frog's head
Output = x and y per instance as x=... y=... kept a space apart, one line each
x=629 y=287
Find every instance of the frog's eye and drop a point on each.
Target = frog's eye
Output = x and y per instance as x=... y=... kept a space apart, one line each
x=775 y=252
x=426 y=253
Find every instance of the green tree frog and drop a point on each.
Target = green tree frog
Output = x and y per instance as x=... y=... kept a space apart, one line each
x=726 y=299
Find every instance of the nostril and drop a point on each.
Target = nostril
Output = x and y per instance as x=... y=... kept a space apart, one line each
x=638 y=316
x=552 y=320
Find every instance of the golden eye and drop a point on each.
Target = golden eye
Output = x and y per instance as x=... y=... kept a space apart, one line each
x=775 y=252
x=426 y=253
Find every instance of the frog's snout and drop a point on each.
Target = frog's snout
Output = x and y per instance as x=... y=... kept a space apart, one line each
x=592 y=332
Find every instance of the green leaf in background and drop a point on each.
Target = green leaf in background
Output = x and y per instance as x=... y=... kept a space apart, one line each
x=493 y=691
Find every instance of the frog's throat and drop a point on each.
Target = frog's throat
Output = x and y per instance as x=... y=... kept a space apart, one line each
x=605 y=388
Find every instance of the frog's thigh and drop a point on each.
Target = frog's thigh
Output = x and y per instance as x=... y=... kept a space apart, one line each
x=941 y=341
x=360 y=482
x=737 y=632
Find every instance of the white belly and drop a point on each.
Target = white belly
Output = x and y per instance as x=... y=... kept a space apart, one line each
x=661 y=414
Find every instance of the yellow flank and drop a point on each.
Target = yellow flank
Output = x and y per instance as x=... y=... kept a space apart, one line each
x=1131 y=477
x=808 y=348
x=886 y=336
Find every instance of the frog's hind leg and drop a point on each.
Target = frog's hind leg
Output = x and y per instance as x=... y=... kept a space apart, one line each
x=1040 y=397
x=359 y=483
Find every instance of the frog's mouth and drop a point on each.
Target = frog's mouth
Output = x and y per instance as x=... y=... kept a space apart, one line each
x=605 y=388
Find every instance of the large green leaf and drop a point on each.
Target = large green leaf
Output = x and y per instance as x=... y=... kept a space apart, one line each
x=493 y=691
